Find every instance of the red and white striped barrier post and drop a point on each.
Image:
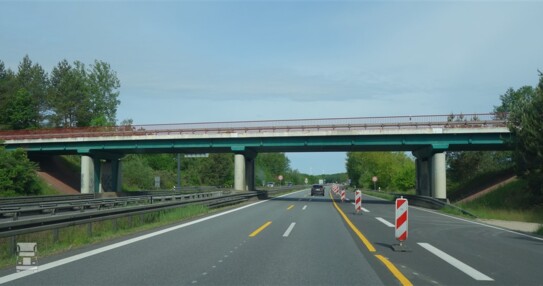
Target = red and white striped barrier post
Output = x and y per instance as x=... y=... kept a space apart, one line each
x=358 y=201
x=342 y=195
x=401 y=219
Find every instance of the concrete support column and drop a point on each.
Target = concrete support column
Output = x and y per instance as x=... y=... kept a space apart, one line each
x=439 y=176
x=87 y=175
x=423 y=177
x=250 y=173
x=97 y=175
x=239 y=172
x=116 y=182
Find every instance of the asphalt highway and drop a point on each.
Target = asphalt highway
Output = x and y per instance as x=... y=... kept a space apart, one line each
x=302 y=240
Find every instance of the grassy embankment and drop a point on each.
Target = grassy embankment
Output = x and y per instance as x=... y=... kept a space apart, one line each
x=510 y=202
x=74 y=237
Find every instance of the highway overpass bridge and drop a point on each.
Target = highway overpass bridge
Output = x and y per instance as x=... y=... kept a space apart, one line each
x=426 y=136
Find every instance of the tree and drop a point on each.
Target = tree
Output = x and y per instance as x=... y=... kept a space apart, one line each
x=68 y=96
x=17 y=174
x=104 y=85
x=525 y=107
x=34 y=80
x=268 y=166
x=394 y=170
x=7 y=91
x=19 y=111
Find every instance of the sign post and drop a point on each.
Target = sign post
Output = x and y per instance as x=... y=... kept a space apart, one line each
x=280 y=177
x=374 y=180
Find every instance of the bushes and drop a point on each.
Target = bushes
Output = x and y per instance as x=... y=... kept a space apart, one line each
x=17 y=174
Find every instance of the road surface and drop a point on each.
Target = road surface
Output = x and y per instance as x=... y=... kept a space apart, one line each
x=302 y=240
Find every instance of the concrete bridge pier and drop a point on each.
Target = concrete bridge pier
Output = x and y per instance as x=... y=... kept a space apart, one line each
x=244 y=169
x=98 y=176
x=431 y=175
x=239 y=172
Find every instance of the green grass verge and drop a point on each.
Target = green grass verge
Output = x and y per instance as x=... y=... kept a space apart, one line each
x=510 y=202
x=53 y=242
x=382 y=195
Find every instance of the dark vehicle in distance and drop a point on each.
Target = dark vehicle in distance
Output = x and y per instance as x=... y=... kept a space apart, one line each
x=317 y=190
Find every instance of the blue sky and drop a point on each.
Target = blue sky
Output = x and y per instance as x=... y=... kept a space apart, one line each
x=198 y=61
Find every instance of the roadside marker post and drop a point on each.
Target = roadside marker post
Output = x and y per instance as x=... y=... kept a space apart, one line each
x=401 y=225
x=358 y=201
x=342 y=195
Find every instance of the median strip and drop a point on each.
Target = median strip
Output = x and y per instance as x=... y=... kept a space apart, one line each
x=258 y=230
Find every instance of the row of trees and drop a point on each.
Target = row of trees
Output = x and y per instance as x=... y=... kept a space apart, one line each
x=395 y=171
x=71 y=95
x=140 y=170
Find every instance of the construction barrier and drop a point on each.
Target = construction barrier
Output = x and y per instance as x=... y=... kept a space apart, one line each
x=401 y=219
x=342 y=195
x=358 y=201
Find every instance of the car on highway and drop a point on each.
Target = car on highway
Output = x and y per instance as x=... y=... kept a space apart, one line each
x=270 y=184
x=317 y=190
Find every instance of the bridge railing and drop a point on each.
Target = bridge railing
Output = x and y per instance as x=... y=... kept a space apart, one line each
x=487 y=120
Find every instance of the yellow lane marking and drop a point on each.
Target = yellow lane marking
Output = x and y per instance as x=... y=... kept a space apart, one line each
x=364 y=240
x=394 y=270
x=258 y=230
x=289 y=207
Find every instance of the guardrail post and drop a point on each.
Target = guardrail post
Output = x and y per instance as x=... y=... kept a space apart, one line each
x=55 y=234
x=12 y=250
x=89 y=229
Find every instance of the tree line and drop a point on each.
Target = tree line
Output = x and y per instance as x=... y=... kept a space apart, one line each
x=71 y=95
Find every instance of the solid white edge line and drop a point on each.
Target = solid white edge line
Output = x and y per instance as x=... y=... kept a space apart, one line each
x=472 y=272
x=57 y=263
x=384 y=221
x=289 y=229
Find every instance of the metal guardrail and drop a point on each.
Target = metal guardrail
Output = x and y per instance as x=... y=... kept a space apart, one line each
x=20 y=206
x=431 y=203
x=18 y=227
x=354 y=123
x=41 y=199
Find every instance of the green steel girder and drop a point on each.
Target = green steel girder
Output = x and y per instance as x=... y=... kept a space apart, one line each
x=413 y=142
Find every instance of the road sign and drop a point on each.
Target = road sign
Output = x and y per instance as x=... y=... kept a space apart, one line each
x=280 y=177
x=374 y=179
x=401 y=219
x=306 y=181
